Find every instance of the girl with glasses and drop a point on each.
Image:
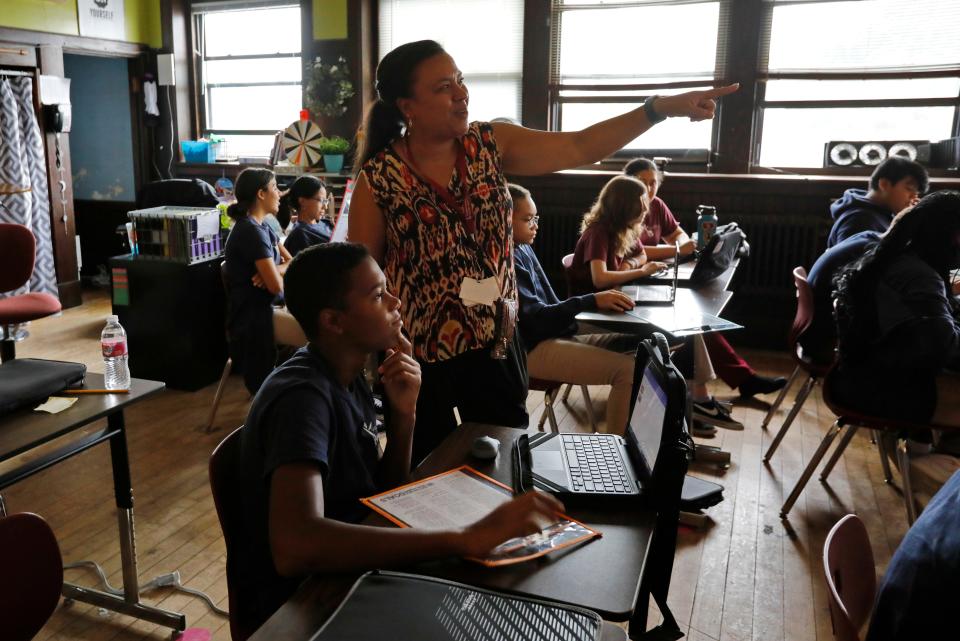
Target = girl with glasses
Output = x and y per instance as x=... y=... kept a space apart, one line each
x=308 y=199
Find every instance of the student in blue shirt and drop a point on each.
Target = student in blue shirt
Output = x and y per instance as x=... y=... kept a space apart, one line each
x=555 y=352
x=310 y=452
x=918 y=593
x=308 y=199
x=255 y=263
x=895 y=184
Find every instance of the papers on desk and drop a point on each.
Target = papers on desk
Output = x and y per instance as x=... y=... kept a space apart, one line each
x=682 y=322
x=463 y=496
x=55 y=405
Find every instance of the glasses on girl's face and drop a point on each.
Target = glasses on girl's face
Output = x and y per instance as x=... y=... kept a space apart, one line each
x=533 y=220
x=323 y=201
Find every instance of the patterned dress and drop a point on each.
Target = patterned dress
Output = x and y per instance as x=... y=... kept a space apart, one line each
x=430 y=250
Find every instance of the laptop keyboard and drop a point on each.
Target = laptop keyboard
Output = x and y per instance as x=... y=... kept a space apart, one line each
x=595 y=465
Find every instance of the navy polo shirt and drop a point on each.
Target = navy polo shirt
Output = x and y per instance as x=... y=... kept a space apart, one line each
x=301 y=414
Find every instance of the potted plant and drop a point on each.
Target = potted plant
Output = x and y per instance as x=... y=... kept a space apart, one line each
x=328 y=87
x=333 y=150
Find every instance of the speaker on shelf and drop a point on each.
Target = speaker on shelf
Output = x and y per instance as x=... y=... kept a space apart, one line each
x=946 y=153
x=860 y=153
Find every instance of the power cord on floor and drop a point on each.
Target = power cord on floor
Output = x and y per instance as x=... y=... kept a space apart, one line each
x=169 y=580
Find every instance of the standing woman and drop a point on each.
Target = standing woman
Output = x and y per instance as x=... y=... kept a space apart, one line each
x=255 y=264
x=307 y=198
x=431 y=205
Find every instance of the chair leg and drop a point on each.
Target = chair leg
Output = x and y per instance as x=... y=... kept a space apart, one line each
x=838 y=452
x=8 y=350
x=797 y=406
x=811 y=466
x=566 y=392
x=589 y=404
x=549 y=398
x=884 y=459
x=903 y=460
x=783 y=393
x=219 y=393
x=3 y=507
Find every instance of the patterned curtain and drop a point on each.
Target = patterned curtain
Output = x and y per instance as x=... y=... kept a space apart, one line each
x=22 y=164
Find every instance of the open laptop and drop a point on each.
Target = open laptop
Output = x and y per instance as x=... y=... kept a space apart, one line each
x=657 y=294
x=584 y=465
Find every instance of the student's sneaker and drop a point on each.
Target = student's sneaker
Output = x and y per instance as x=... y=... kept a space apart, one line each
x=758 y=384
x=713 y=413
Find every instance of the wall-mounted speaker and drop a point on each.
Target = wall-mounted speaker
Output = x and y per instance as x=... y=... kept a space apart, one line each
x=946 y=153
x=860 y=153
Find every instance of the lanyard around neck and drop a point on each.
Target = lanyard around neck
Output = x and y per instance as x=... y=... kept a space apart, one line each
x=462 y=205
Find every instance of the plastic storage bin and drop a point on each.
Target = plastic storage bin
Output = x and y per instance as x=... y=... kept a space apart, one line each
x=198 y=151
x=185 y=235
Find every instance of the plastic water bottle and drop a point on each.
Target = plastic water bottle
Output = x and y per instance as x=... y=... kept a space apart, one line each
x=706 y=225
x=113 y=343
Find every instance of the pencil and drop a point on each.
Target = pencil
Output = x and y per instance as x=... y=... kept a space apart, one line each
x=96 y=391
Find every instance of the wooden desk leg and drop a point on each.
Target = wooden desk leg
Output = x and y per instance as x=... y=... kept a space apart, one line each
x=129 y=603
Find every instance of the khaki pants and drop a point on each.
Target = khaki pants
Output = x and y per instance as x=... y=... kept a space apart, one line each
x=286 y=329
x=598 y=359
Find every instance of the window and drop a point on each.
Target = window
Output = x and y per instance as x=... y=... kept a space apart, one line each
x=485 y=37
x=608 y=58
x=250 y=72
x=855 y=70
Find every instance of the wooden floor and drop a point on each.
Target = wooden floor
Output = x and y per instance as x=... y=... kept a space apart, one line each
x=748 y=576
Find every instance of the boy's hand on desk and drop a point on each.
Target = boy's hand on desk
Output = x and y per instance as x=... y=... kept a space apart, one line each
x=527 y=514
x=613 y=300
x=400 y=375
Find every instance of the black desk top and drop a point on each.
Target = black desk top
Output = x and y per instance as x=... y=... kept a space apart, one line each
x=25 y=429
x=602 y=575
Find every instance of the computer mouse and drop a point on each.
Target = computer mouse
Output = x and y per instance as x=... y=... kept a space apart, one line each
x=485 y=447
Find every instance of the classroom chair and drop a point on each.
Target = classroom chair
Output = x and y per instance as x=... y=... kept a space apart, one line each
x=815 y=371
x=851 y=420
x=551 y=389
x=851 y=577
x=31 y=575
x=226 y=499
x=16 y=266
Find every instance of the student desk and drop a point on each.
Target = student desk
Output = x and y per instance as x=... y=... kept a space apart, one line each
x=25 y=430
x=603 y=575
x=710 y=301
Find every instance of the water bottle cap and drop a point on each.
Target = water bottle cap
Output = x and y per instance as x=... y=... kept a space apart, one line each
x=113 y=318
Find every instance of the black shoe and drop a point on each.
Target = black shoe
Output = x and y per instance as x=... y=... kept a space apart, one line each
x=761 y=385
x=713 y=413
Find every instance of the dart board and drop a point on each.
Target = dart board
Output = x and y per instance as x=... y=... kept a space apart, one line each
x=301 y=143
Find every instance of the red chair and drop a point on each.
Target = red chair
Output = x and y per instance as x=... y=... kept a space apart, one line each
x=851 y=577
x=31 y=575
x=16 y=267
x=224 y=462
x=851 y=420
x=815 y=371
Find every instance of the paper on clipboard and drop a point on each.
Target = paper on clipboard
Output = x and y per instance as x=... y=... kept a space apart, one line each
x=463 y=496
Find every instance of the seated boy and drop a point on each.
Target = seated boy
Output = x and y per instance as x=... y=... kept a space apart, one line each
x=555 y=352
x=310 y=450
x=658 y=236
x=895 y=184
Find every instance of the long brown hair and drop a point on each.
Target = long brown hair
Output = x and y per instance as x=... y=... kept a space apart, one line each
x=617 y=208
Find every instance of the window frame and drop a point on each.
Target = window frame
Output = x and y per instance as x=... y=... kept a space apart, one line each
x=199 y=57
x=746 y=21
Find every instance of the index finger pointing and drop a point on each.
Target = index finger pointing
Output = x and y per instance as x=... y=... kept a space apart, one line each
x=721 y=91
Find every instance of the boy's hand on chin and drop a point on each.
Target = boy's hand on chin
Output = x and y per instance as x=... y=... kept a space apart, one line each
x=400 y=375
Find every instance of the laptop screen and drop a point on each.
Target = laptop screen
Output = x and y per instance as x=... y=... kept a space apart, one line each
x=649 y=412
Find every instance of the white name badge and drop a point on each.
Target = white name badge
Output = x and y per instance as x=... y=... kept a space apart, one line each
x=479 y=292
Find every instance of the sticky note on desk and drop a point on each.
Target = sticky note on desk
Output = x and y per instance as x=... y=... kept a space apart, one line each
x=56 y=404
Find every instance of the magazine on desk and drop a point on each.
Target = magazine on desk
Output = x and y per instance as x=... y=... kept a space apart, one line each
x=462 y=496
